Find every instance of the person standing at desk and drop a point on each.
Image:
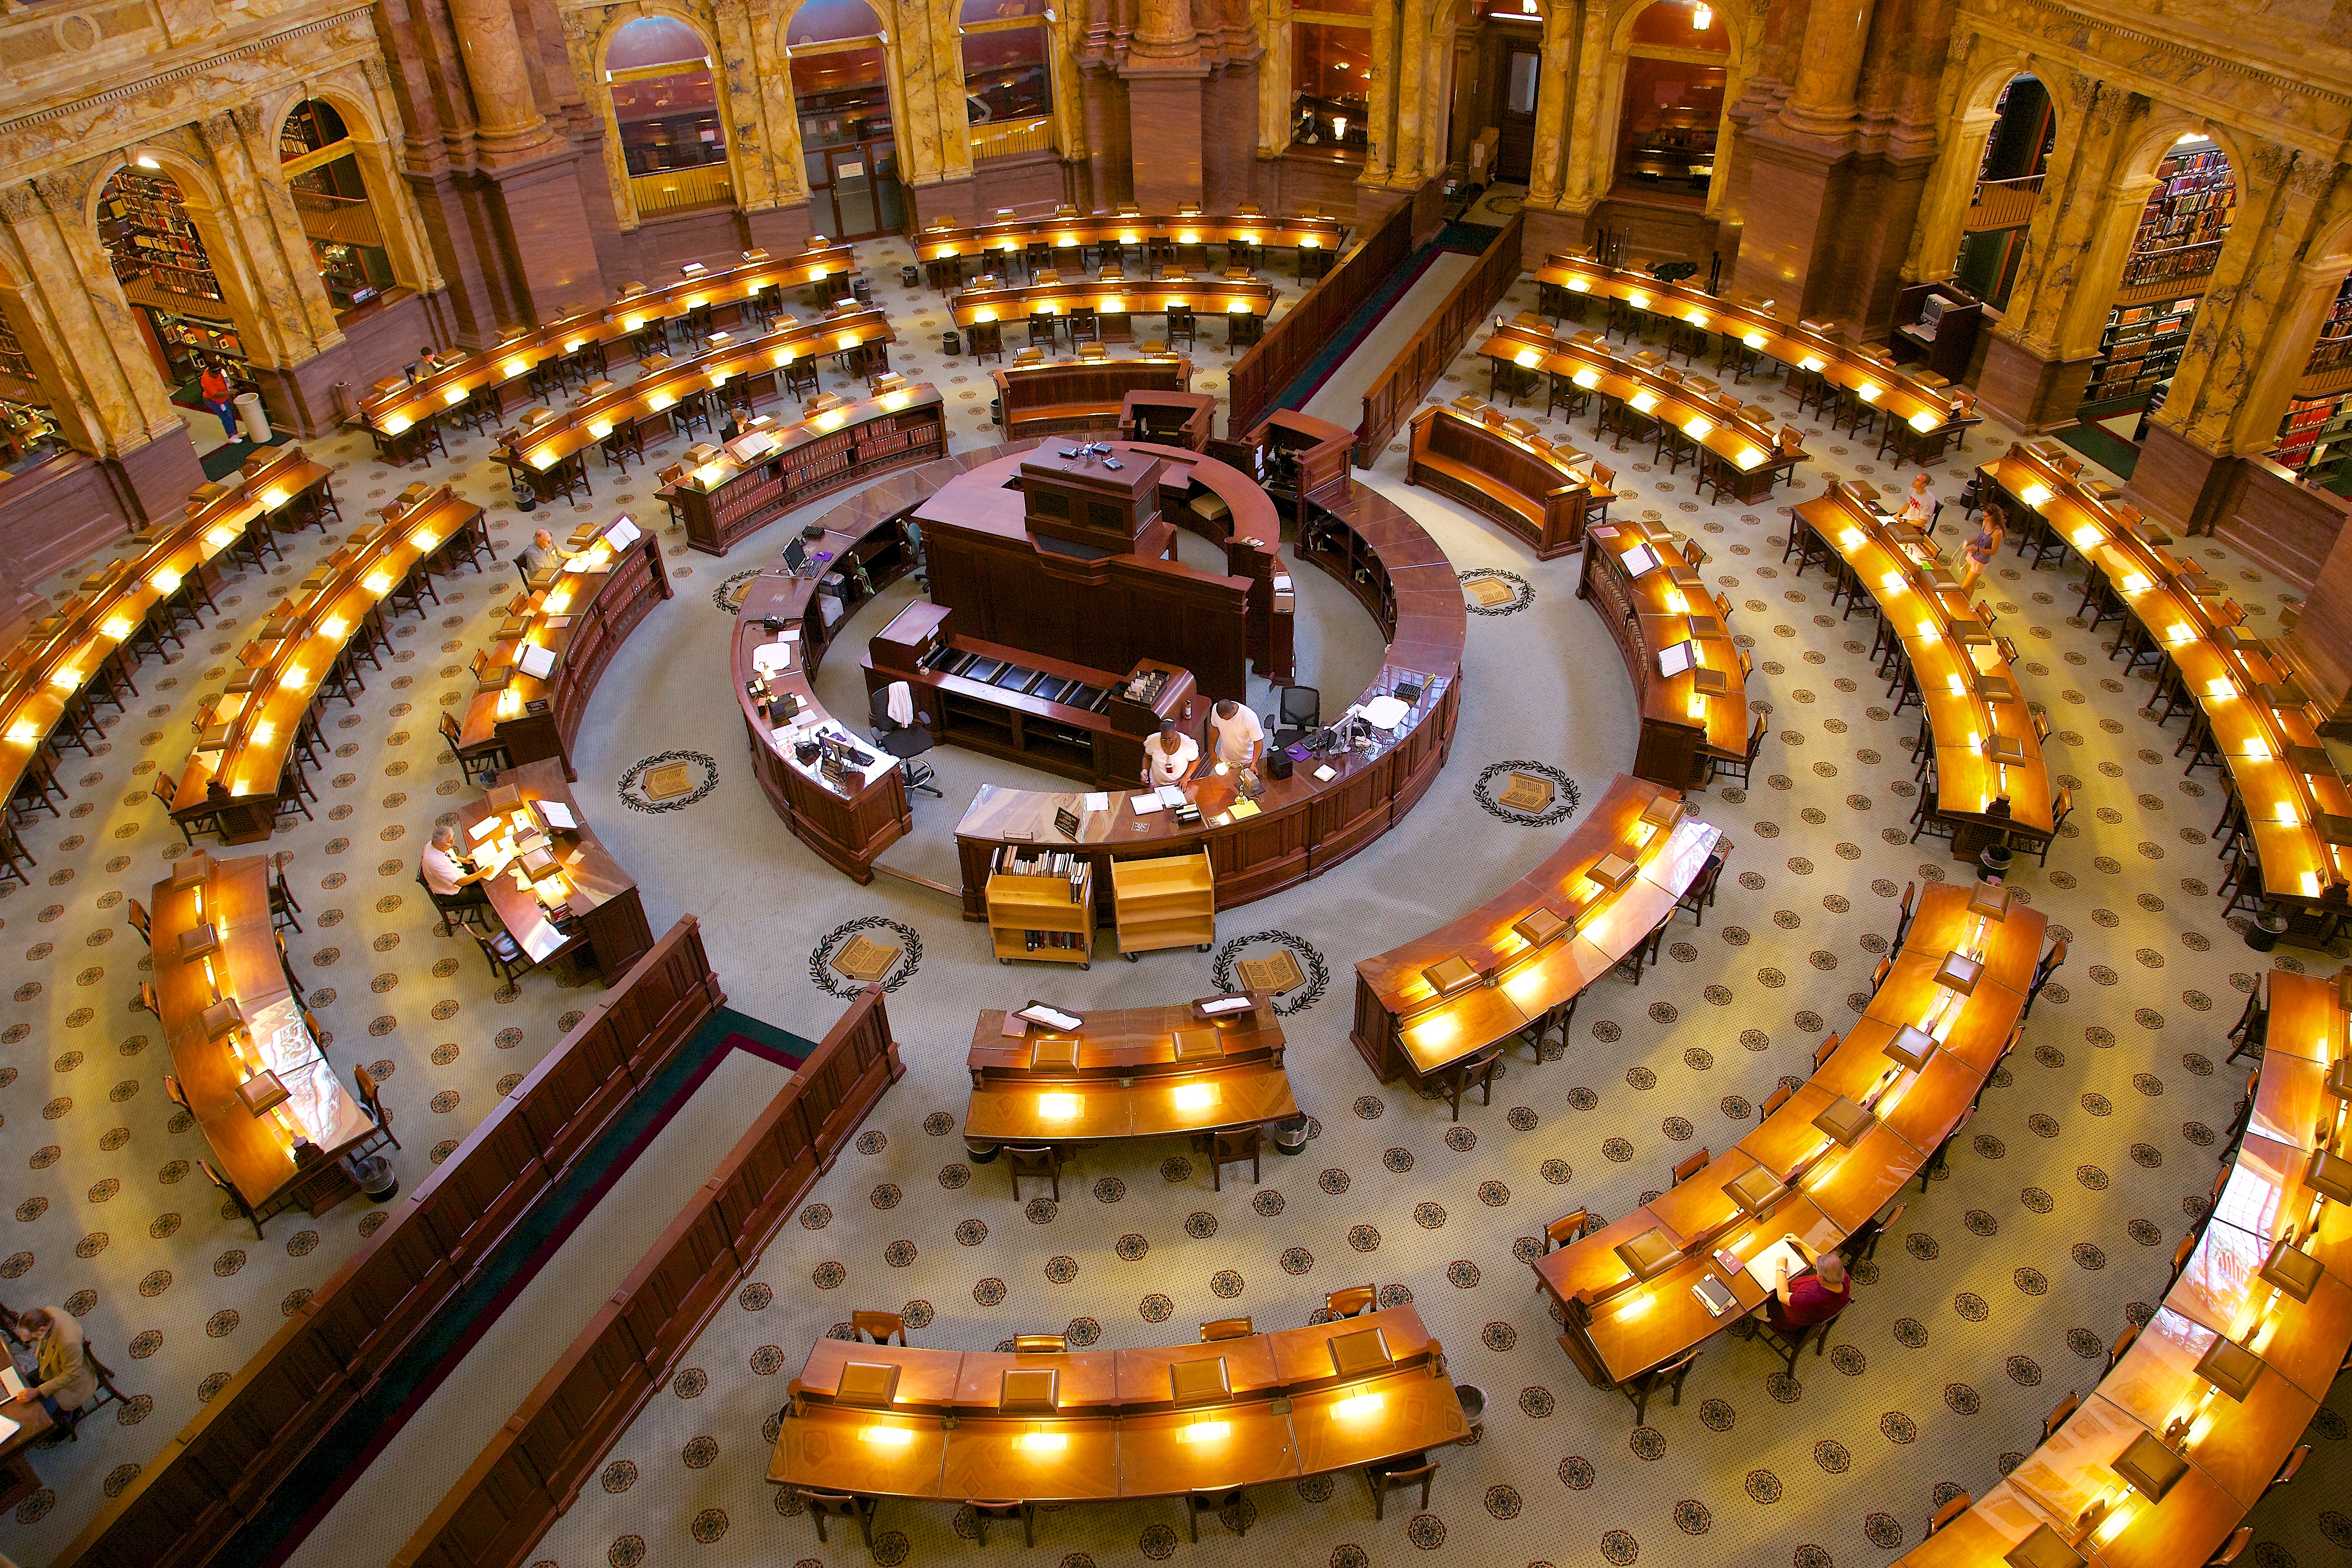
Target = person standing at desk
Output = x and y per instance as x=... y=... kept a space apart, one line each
x=1237 y=737
x=67 y=1382
x=1169 y=756
x=1984 y=546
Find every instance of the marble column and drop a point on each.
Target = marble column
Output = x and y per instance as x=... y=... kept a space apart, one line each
x=1822 y=101
x=260 y=212
x=1165 y=77
x=1559 y=76
x=505 y=115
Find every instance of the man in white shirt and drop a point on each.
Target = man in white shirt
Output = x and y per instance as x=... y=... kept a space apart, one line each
x=452 y=879
x=1169 y=756
x=541 y=552
x=1239 y=738
x=1919 y=504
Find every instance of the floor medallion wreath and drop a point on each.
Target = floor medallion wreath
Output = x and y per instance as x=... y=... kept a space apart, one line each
x=1319 y=974
x=1565 y=798
x=631 y=787
x=1521 y=593
x=821 y=958
x=729 y=595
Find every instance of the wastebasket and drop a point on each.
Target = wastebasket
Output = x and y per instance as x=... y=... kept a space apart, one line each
x=1290 y=1135
x=376 y=1177
x=909 y=276
x=250 y=415
x=2264 y=934
x=950 y=344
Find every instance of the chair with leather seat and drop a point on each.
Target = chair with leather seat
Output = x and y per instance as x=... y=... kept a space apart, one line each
x=1226 y=1329
x=1951 y=1511
x=984 y=1513
x=905 y=741
x=1638 y=1388
x=1197 y=1503
x=461 y=904
x=877 y=1327
x=374 y=1102
x=236 y=1198
x=1231 y=1149
x=1041 y=1345
x=505 y=955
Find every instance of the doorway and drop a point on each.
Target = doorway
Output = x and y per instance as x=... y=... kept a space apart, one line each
x=1522 y=80
x=848 y=148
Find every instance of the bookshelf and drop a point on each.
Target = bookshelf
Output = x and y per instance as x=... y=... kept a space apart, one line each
x=14 y=361
x=822 y=454
x=1167 y=901
x=1041 y=906
x=2173 y=253
x=2312 y=434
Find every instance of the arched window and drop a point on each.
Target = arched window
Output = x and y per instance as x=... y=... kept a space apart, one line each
x=667 y=104
x=1670 y=109
x=2008 y=187
x=1008 y=81
x=841 y=93
x=166 y=273
x=1331 y=77
x=2174 y=251
x=322 y=165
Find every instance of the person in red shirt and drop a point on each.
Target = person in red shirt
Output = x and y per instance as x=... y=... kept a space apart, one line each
x=1820 y=1293
x=213 y=386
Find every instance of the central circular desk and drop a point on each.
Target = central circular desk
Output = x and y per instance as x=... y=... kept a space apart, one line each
x=1327 y=809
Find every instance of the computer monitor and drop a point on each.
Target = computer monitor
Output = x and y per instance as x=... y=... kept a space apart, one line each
x=796 y=554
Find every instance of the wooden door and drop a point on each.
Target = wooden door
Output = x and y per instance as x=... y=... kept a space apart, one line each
x=1522 y=77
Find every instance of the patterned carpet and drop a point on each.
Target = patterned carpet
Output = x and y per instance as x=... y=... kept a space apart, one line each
x=1997 y=1293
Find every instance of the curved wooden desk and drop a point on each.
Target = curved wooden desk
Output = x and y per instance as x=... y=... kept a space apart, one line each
x=848 y=821
x=1107 y=1424
x=1746 y=458
x=1648 y=591
x=389 y=410
x=949 y=240
x=1512 y=476
x=1080 y=394
x=2245 y=686
x=1653 y=852
x=581 y=618
x=1793 y=1178
x=234 y=773
x=1986 y=748
x=1115 y=298
x=265 y=1032
x=836 y=443
x=1932 y=415
x=2272 y=1276
x=60 y=652
x=1121 y=1074
x=539 y=448
x=1305 y=825
x=604 y=921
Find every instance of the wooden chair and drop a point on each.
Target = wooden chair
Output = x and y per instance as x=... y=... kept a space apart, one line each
x=1397 y=1474
x=2057 y=1418
x=1741 y=766
x=2051 y=962
x=1864 y=1242
x=2253 y=1027
x=282 y=906
x=1775 y=1100
x=1352 y=1302
x=234 y=1198
x=877 y=1327
x=1232 y=1148
x=1040 y=1344
x=2293 y=1468
x=141 y=924
x=146 y=1001
x=1043 y=1161
x=504 y=955
x=1478 y=1071
x=2060 y=809
x=1903 y=912
x=823 y=1506
x=984 y=1513
x=1949 y=1511
x=472 y=764
x=1791 y=1344
x=1690 y=1167
x=1701 y=895
x=2233 y=1548
x=175 y=1094
x=2123 y=1342
x=374 y=1102
x=1638 y=1388
x=1569 y=1228
x=1226 y=1329
x=1198 y=1503
x=1828 y=1047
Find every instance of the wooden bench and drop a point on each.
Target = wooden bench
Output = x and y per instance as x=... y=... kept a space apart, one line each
x=1038 y=399
x=1528 y=489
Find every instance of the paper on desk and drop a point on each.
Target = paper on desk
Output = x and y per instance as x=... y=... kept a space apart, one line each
x=770 y=658
x=13 y=1381
x=1764 y=1266
x=1282 y=582
x=1326 y=773
x=578 y=563
x=1170 y=795
x=1098 y=800
x=8 y=1428
x=557 y=815
x=537 y=662
x=484 y=828
x=1144 y=802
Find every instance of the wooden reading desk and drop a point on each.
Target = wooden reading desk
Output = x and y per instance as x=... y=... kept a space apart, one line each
x=242 y=755
x=775 y=468
x=2298 y=806
x=1500 y=467
x=1737 y=452
x=1987 y=751
x=1825 y=1162
x=1599 y=895
x=60 y=653
x=1131 y=1072
x=557 y=868
x=571 y=624
x=1115 y=299
x=1080 y=394
x=1094 y=1425
x=396 y=408
x=946 y=245
x=238 y=1040
x=1643 y=582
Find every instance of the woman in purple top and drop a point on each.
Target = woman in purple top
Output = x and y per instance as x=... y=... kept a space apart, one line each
x=1820 y=1293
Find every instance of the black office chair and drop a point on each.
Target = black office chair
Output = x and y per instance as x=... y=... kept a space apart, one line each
x=904 y=742
x=1300 y=709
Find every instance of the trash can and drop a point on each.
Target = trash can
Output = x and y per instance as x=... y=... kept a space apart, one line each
x=1290 y=1135
x=910 y=276
x=1474 y=1403
x=2264 y=934
x=952 y=343
x=863 y=290
x=979 y=1154
x=1996 y=861
x=375 y=1176
x=249 y=415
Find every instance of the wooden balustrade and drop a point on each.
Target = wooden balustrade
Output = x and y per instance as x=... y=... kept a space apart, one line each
x=225 y=1467
x=1261 y=374
x=517 y=1487
x=1389 y=400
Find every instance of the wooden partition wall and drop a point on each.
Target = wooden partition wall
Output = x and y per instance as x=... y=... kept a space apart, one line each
x=1389 y=400
x=222 y=1467
x=1278 y=357
x=531 y=1470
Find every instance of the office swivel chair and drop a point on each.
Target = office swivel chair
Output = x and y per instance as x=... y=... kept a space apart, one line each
x=1300 y=709
x=904 y=742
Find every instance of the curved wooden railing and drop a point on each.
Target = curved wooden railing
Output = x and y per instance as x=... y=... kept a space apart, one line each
x=1389 y=402
x=1275 y=360
x=225 y=1467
